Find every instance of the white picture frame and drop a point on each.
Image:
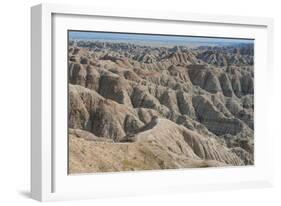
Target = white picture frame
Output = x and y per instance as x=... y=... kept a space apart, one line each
x=50 y=181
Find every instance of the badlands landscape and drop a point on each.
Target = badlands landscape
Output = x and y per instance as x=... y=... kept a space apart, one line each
x=141 y=106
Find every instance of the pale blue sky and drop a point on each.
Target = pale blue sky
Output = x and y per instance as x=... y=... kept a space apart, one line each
x=161 y=39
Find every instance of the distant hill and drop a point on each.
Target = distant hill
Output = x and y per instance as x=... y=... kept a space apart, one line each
x=138 y=107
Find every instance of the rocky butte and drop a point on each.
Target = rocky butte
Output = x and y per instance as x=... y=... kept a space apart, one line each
x=138 y=107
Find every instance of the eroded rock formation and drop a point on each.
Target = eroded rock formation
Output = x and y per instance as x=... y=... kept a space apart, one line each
x=136 y=107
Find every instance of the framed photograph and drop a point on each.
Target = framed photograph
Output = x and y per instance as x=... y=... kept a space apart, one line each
x=137 y=102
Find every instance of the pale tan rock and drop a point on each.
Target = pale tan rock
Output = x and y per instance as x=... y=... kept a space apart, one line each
x=135 y=107
x=163 y=146
x=204 y=77
x=114 y=87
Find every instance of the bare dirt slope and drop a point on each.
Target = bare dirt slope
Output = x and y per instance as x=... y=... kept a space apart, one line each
x=137 y=107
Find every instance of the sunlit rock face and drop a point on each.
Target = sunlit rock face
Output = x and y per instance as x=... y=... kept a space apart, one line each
x=139 y=107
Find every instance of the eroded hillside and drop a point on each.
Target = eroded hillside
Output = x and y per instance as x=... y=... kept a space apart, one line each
x=135 y=107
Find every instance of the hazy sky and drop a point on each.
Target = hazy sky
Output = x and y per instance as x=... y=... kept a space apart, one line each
x=144 y=38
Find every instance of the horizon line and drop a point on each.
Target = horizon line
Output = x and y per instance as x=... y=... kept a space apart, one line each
x=145 y=37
